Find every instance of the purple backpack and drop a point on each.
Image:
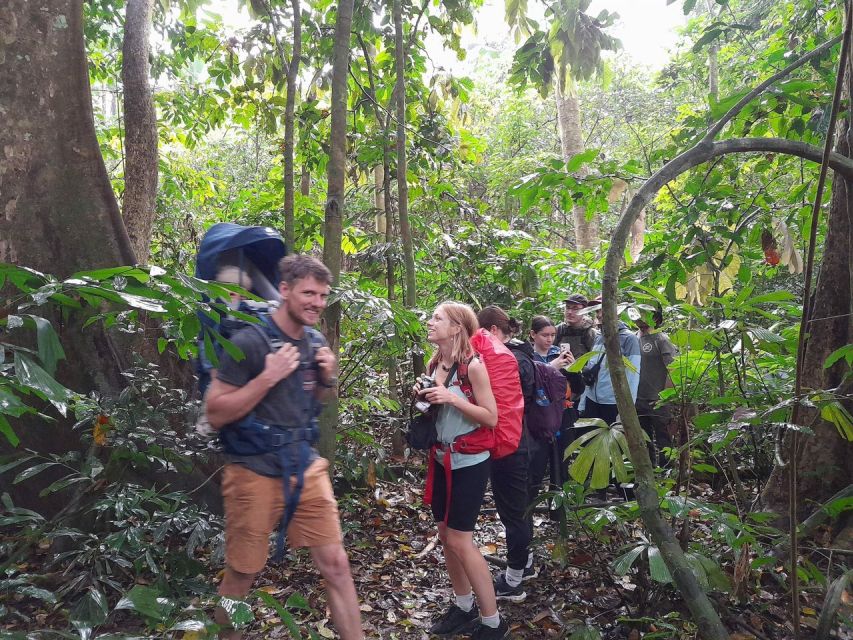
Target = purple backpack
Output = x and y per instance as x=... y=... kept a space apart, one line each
x=545 y=414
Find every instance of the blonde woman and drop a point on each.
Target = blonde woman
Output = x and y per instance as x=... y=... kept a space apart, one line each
x=450 y=329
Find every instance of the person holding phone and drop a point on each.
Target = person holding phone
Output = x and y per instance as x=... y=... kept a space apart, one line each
x=577 y=331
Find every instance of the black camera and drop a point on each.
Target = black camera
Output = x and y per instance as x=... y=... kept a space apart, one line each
x=426 y=382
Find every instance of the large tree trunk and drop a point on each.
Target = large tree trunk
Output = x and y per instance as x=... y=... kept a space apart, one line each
x=289 y=125
x=825 y=460
x=140 y=126
x=58 y=213
x=335 y=204
x=571 y=143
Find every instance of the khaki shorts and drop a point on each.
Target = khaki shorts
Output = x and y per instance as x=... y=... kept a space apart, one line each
x=254 y=505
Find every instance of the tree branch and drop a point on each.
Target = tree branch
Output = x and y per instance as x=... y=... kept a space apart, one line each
x=731 y=113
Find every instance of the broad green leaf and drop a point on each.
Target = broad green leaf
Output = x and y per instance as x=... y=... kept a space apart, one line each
x=657 y=567
x=835 y=413
x=50 y=349
x=147 y=601
x=580 y=159
x=91 y=611
x=7 y=430
x=239 y=613
x=31 y=375
x=623 y=563
x=845 y=352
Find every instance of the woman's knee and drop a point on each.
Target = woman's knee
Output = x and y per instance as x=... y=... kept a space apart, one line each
x=458 y=542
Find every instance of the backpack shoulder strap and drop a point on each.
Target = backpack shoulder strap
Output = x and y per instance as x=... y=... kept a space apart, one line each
x=315 y=340
x=464 y=380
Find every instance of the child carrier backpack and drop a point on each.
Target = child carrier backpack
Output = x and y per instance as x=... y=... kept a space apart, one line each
x=502 y=439
x=545 y=414
x=254 y=251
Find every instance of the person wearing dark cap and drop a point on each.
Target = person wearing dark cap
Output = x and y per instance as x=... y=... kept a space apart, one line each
x=576 y=334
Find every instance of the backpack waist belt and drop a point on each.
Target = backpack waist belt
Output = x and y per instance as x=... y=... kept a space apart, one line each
x=293 y=446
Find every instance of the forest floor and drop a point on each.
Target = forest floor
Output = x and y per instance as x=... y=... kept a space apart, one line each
x=402 y=584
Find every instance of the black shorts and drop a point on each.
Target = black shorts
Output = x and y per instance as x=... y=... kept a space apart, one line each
x=468 y=487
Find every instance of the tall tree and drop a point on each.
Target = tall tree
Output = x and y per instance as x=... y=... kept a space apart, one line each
x=140 y=126
x=334 y=210
x=572 y=47
x=60 y=214
x=587 y=234
x=410 y=293
x=290 y=65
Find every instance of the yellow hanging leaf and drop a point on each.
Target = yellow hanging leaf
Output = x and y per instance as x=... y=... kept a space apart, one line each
x=100 y=429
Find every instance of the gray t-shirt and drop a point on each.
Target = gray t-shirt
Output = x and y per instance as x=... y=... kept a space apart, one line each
x=657 y=353
x=288 y=404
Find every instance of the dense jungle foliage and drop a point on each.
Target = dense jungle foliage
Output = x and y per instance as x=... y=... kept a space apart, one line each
x=503 y=186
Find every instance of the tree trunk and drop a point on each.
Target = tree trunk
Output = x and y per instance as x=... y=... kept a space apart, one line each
x=305 y=182
x=290 y=104
x=410 y=293
x=713 y=58
x=140 y=129
x=334 y=210
x=379 y=198
x=825 y=460
x=571 y=143
x=58 y=212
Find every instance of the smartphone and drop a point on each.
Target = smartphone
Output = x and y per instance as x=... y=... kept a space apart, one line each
x=565 y=347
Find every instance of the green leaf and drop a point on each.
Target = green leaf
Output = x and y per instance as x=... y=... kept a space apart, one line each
x=230 y=348
x=283 y=613
x=580 y=159
x=7 y=430
x=49 y=348
x=657 y=567
x=586 y=633
x=839 y=506
x=147 y=601
x=239 y=613
x=845 y=352
x=62 y=483
x=835 y=413
x=91 y=611
x=707 y=37
x=28 y=473
x=33 y=376
x=688 y=6
x=623 y=563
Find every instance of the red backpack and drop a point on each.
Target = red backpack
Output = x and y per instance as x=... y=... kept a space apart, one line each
x=502 y=366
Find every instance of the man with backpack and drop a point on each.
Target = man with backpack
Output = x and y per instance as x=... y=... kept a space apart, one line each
x=265 y=408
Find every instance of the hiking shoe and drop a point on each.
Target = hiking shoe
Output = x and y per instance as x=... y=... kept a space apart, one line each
x=503 y=591
x=491 y=633
x=530 y=573
x=455 y=620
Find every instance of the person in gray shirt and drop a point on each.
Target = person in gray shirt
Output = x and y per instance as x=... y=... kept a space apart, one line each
x=657 y=353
